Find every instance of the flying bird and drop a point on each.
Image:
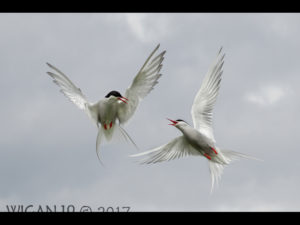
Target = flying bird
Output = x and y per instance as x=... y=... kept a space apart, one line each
x=198 y=140
x=114 y=110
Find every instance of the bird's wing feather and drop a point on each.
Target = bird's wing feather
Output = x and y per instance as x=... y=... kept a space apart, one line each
x=206 y=97
x=72 y=92
x=176 y=148
x=142 y=84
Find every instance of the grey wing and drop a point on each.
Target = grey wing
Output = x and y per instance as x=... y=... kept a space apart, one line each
x=72 y=92
x=206 y=97
x=142 y=85
x=176 y=148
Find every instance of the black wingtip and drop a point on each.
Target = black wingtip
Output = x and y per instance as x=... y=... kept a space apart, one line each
x=48 y=64
x=220 y=49
x=50 y=74
x=157 y=47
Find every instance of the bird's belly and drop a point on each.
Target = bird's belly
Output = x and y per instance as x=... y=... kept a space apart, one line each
x=107 y=113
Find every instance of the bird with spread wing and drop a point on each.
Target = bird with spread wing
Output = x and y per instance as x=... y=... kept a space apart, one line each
x=198 y=140
x=113 y=111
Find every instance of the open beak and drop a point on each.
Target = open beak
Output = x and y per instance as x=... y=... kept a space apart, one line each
x=173 y=122
x=123 y=99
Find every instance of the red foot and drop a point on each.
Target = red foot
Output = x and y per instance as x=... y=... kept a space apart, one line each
x=207 y=156
x=110 y=125
x=105 y=127
x=214 y=150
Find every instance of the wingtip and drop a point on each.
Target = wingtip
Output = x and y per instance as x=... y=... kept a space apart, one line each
x=163 y=52
x=48 y=64
x=50 y=74
x=156 y=47
x=220 y=49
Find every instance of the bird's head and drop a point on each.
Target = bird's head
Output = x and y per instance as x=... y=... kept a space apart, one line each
x=115 y=95
x=178 y=123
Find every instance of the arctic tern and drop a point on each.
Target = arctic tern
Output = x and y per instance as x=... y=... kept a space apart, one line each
x=114 y=110
x=198 y=140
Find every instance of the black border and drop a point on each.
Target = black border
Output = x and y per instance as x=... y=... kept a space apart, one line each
x=150 y=7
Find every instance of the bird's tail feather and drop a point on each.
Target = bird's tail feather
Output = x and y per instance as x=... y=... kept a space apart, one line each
x=127 y=137
x=98 y=142
x=115 y=134
x=216 y=170
x=225 y=157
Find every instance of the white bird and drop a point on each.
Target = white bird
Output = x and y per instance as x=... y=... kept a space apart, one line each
x=198 y=140
x=114 y=110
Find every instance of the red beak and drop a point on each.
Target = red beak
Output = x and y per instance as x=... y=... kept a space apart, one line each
x=173 y=122
x=123 y=99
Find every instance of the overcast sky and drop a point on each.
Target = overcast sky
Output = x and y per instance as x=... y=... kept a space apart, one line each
x=47 y=145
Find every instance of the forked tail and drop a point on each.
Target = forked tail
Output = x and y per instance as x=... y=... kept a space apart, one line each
x=115 y=134
x=224 y=158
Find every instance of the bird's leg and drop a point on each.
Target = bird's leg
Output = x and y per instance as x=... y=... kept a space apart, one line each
x=106 y=126
x=214 y=150
x=207 y=156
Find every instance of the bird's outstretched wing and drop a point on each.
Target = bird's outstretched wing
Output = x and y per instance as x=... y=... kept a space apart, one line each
x=206 y=98
x=142 y=84
x=72 y=92
x=176 y=148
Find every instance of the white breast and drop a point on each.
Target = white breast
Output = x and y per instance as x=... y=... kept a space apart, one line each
x=107 y=110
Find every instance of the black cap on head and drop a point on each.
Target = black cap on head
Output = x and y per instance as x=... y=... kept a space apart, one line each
x=114 y=93
x=180 y=120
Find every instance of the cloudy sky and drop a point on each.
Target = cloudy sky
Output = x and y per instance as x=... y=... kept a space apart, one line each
x=47 y=145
